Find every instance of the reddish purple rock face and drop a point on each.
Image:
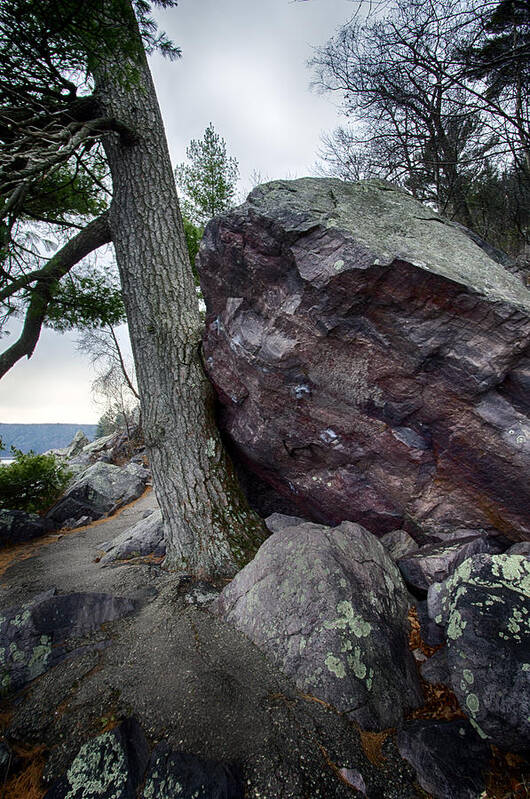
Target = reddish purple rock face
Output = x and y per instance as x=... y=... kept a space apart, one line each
x=371 y=361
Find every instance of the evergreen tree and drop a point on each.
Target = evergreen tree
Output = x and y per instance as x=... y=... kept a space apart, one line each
x=209 y=180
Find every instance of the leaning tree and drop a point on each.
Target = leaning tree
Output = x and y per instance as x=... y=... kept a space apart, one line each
x=85 y=79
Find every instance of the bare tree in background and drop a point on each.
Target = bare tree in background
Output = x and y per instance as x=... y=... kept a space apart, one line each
x=418 y=115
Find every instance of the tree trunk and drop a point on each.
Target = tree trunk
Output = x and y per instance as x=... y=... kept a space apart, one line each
x=209 y=527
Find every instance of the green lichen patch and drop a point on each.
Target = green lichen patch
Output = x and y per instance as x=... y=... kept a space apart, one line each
x=335 y=665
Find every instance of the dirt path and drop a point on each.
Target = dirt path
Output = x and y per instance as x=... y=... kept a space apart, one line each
x=187 y=678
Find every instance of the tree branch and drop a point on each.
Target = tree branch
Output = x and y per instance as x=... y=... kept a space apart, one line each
x=94 y=235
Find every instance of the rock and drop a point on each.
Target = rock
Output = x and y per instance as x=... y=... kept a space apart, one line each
x=173 y=774
x=17 y=526
x=399 y=544
x=32 y=635
x=449 y=757
x=522 y=548
x=432 y=633
x=144 y=538
x=363 y=351
x=110 y=766
x=330 y=608
x=201 y=593
x=435 y=670
x=78 y=442
x=486 y=615
x=101 y=489
x=279 y=521
x=353 y=778
x=433 y=563
x=100 y=444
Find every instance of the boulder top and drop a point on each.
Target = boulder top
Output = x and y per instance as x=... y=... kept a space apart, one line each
x=390 y=226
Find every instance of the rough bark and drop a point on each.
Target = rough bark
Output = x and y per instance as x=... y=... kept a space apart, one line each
x=94 y=235
x=209 y=528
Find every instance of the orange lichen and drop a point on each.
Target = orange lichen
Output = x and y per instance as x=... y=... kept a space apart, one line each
x=372 y=744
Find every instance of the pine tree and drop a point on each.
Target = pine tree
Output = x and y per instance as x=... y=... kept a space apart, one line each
x=209 y=180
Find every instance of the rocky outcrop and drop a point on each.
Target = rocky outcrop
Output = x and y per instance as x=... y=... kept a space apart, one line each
x=330 y=608
x=17 y=526
x=370 y=359
x=485 y=612
x=100 y=489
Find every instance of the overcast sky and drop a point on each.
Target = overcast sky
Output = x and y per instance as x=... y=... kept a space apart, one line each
x=243 y=68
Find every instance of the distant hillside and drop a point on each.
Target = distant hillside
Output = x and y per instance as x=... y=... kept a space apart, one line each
x=41 y=437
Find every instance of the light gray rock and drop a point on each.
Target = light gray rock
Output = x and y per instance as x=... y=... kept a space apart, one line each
x=485 y=610
x=329 y=606
x=399 y=544
x=105 y=442
x=78 y=442
x=435 y=562
x=101 y=489
x=279 y=521
x=144 y=538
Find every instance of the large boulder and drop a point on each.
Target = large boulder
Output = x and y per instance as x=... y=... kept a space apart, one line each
x=329 y=606
x=369 y=358
x=485 y=611
x=100 y=489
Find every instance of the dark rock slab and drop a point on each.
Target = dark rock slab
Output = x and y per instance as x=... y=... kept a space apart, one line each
x=110 y=766
x=32 y=635
x=329 y=606
x=449 y=757
x=435 y=669
x=522 y=548
x=433 y=634
x=485 y=610
x=366 y=355
x=144 y=538
x=100 y=489
x=174 y=774
x=399 y=544
x=17 y=526
x=433 y=563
